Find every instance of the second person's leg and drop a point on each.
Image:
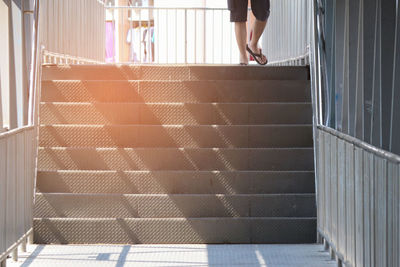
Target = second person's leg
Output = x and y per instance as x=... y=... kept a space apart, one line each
x=261 y=10
x=258 y=29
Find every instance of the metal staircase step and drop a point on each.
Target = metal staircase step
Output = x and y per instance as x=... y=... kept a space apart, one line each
x=175 y=182
x=169 y=72
x=175 y=154
x=175 y=159
x=204 y=136
x=66 y=205
x=174 y=230
x=174 y=114
x=231 y=91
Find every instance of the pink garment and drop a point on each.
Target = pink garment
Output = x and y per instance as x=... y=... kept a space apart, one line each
x=110 y=51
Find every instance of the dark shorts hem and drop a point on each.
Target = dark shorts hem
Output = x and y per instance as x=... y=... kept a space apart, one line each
x=238 y=8
x=238 y=16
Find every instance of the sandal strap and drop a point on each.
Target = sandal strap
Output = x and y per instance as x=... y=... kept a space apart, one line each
x=254 y=54
x=257 y=57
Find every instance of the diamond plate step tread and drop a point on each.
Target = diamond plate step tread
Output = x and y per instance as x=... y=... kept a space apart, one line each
x=176 y=159
x=175 y=231
x=172 y=72
x=175 y=182
x=204 y=136
x=175 y=113
x=176 y=91
x=215 y=195
x=52 y=205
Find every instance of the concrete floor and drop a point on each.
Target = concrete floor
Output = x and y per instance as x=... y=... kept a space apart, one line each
x=173 y=255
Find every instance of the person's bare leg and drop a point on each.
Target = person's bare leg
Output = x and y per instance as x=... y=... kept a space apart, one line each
x=241 y=38
x=258 y=29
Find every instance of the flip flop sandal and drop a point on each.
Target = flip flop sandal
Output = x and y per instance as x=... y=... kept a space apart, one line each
x=256 y=56
x=243 y=64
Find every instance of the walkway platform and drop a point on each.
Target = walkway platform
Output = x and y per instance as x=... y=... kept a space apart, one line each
x=174 y=255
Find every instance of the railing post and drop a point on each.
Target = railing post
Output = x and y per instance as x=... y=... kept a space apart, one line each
x=23 y=245
x=332 y=253
x=204 y=36
x=320 y=239
x=1 y=108
x=186 y=61
x=141 y=36
x=30 y=238
x=156 y=28
x=326 y=245
x=213 y=40
x=195 y=36
x=15 y=254
x=150 y=55
x=176 y=35
x=25 y=75
x=222 y=34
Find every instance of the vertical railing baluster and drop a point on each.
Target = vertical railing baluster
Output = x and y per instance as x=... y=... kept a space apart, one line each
x=222 y=36
x=204 y=35
x=231 y=43
x=213 y=40
x=176 y=35
x=1 y=109
x=131 y=34
x=195 y=36
x=157 y=37
x=140 y=35
x=186 y=32
x=166 y=35
x=149 y=37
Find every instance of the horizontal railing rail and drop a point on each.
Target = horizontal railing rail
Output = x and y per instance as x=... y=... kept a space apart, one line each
x=166 y=8
x=361 y=144
x=302 y=60
x=57 y=58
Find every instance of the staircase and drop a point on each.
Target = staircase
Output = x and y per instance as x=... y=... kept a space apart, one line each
x=175 y=154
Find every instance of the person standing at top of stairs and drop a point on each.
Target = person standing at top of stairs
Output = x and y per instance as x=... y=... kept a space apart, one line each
x=261 y=11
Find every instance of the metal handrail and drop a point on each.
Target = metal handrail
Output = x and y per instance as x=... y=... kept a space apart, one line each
x=361 y=144
x=166 y=8
x=15 y=131
x=19 y=152
x=58 y=58
x=292 y=61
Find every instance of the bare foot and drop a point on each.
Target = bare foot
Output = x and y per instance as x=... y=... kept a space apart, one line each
x=244 y=59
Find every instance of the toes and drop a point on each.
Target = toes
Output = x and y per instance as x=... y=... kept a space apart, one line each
x=264 y=59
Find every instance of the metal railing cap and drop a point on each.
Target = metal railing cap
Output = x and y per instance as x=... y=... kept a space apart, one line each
x=361 y=144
